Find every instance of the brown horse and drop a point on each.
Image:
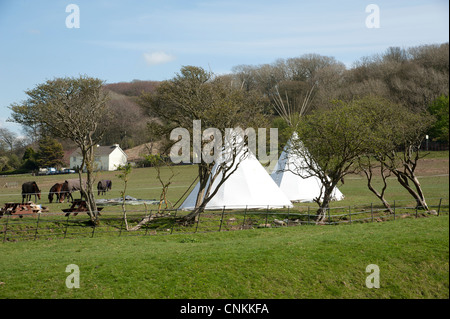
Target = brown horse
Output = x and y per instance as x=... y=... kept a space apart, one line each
x=28 y=189
x=55 y=190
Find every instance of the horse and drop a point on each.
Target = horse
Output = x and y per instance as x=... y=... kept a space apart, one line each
x=69 y=186
x=28 y=189
x=55 y=190
x=103 y=186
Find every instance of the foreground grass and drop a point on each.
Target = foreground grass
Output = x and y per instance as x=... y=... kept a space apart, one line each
x=297 y=262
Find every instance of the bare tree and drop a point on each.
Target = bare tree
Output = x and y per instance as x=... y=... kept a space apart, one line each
x=70 y=108
x=396 y=134
x=194 y=95
x=367 y=166
x=125 y=171
x=402 y=160
x=8 y=138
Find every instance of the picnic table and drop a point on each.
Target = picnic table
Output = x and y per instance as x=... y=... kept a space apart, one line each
x=20 y=209
x=79 y=206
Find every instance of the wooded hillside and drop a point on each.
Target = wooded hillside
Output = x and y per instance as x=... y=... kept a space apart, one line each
x=416 y=77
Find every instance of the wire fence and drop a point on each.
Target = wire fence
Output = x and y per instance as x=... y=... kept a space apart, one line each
x=46 y=225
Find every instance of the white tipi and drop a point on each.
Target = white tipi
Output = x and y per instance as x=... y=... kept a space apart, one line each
x=248 y=187
x=297 y=188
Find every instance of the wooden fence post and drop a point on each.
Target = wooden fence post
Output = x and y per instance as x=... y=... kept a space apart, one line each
x=221 y=219
x=394 y=209
x=93 y=231
x=439 y=208
x=67 y=225
x=37 y=226
x=350 y=214
x=6 y=228
x=198 y=221
x=145 y=216
x=289 y=211
x=245 y=214
x=121 y=225
x=174 y=220
x=371 y=210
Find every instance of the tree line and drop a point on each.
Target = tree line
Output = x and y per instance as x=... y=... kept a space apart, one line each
x=346 y=118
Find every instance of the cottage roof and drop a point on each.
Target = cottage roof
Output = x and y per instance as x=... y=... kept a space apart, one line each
x=100 y=150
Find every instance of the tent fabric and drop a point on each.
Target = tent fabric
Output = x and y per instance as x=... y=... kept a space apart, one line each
x=250 y=186
x=297 y=188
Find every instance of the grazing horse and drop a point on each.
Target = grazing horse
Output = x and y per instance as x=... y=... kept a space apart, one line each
x=55 y=190
x=28 y=189
x=69 y=186
x=103 y=186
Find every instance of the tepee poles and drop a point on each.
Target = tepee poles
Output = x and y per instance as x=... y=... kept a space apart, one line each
x=292 y=114
x=291 y=171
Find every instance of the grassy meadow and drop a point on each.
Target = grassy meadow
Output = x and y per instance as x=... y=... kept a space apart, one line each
x=143 y=184
x=287 y=262
x=295 y=262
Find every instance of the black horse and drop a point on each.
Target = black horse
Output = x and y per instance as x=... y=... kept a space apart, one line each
x=28 y=189
x=103 y=186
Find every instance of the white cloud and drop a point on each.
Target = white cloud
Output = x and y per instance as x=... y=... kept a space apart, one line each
x=158 y=58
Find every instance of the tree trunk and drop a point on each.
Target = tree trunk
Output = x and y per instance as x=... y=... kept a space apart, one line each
x=204 y=171
x=381 y=198
x=193 y=216
x=379 y=195
x=144 y=221
x=148 y=219
x=88 y=193
x=418 y=196
x=207 y=180
x=324 y=206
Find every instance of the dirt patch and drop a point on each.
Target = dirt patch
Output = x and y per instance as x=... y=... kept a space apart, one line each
x=432 y=166
x=425 y=167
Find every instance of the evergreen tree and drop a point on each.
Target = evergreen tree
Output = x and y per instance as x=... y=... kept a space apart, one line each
x=29 y=159
x=439 y=108
x=50 y=153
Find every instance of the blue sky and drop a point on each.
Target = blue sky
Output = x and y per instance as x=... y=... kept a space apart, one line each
x=122 y=40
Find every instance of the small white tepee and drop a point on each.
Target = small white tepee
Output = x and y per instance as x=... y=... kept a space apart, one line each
x=248 y=187
x=297 y=188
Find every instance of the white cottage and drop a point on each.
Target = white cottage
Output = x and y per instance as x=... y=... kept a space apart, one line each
x=107 y=158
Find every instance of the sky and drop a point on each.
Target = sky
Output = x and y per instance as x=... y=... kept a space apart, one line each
x=125 y=40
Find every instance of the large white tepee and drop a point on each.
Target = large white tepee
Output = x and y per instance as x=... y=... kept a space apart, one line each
x=297 y=188
x=249 y=186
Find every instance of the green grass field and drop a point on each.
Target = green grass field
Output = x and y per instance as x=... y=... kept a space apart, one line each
x=292 y=262
x=144 y=185
x=295 y=262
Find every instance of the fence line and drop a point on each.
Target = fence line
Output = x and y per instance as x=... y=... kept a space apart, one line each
x=63 y=225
